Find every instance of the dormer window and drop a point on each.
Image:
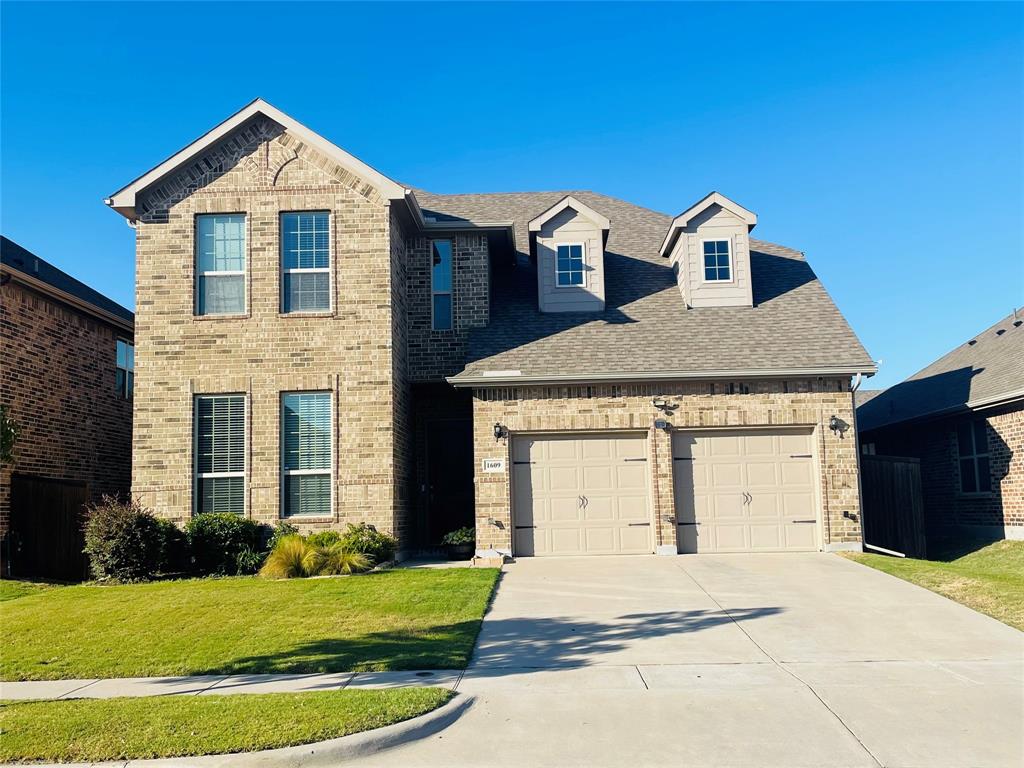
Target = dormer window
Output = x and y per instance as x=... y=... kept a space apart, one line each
x=569 y=266
x=717 y=261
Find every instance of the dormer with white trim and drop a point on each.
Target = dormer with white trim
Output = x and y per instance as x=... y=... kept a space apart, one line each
x=568 y=241
x=708 y=246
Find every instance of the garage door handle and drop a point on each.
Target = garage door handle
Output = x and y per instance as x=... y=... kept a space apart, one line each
x=799 y=455
x=803 y=521
x=634 y=459
x=638 y=525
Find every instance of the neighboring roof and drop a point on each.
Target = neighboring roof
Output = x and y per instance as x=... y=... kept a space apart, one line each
x=123 y=201
x=683 y=220
x=862 y=396
x=568 y=201
x=40 y=274
x=984 y=371
x=646 y=332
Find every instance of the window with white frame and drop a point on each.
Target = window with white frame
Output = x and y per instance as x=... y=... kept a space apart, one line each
x=125 y=381
x=306 y=262
x=569 y=265
x=220 y=453
x=441 y=285
x=220 y=264
x=306 y=450
x=717 y=261
x=972 y=448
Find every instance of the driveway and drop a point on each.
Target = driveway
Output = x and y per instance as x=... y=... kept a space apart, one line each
x=731 y=660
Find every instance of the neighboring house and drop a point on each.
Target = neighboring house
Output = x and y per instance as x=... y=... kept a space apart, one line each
x=569 y=372
x=963 y=417
x=67 y=355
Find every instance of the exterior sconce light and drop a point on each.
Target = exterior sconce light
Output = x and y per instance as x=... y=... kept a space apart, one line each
x=662 y=424
x=500 y=431
x=660 y=403
x=838 y=426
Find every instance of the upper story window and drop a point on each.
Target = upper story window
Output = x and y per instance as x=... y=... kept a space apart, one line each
x=125 y=382
x=569 y=266
x=306 y=262
x=220 y=264
x=972 y=447
x=220 y=453
x=306 y=454
x=441 y=284
x=717 y=261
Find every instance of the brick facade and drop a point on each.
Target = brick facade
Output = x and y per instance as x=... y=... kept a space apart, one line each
x=608 y=408
x=58 y=382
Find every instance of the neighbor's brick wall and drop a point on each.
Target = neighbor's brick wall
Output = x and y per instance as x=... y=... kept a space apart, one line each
x=262 y=171
x=700 y=404
x=436 y=354
x=57 y=379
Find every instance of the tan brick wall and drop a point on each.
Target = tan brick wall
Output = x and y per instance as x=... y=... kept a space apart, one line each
x=700 y=404
x=350 y=350
x=57 y=375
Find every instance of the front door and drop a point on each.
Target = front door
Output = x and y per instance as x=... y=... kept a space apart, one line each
x=450 y=503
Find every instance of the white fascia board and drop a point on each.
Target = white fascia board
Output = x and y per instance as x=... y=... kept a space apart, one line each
x=123 y=201
x=684 y=218
x=478 y=380
x=569 y=202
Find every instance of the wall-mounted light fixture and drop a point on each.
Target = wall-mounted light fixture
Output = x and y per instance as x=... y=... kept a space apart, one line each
x=660 y=403
x=661 y=424
x=838 y=426
x=500 y=430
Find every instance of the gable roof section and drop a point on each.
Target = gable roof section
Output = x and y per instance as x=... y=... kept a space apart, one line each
x=123 y=201
x=41 y=275
x=683 y=219
x=984 y=371
x=568 y=202
x=645 y=332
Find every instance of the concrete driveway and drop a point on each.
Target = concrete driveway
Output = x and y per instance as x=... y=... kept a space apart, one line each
x=731 y=660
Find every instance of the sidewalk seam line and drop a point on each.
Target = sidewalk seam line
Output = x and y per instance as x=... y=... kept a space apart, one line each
x=642 y=680
x=79 y=688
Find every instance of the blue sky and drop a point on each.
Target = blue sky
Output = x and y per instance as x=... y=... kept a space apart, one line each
x=884 y=140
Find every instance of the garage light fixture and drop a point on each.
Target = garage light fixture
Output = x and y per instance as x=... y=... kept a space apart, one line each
x=500 y=430
x=838 y=426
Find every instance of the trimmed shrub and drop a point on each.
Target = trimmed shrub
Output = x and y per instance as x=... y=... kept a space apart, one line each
x=124 y=541
x=174 y=554
x=367 y=540
x=323 y=538
x=216 y=540
x=460 y=537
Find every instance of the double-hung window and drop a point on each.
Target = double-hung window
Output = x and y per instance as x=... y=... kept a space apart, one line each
x=220 y=264
x=972 y=447
x=717 y=261
x=220 y=453
x=306 y=262
x=125 y=381
x=441 y=285
x=570 y=265
x=306 y=450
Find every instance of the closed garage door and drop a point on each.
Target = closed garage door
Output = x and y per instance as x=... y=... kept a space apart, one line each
x=580 y=495
x=744 y=491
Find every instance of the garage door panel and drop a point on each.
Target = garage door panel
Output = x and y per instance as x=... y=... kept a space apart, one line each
x=727 y=445
x=631 y=476
x=731 y=538
x=598 y=478
x=794 y=473
x=723 y=506
x=763 y=474
x=763 y=505
x=635 y=540
x=599 y=540
x=766 y=537
x=759 y=445
x=726 y=474
x=596 y=449
x=562 y=510
x=633 y=509
x=799 y=536
x=599 y=509
x=565 y=541
x=792 y=443
x=558 y=450
x=562 y=479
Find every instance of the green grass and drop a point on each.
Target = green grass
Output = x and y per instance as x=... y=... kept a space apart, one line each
x=400 y=619
x=989 y=580
x=88 y=730
x=12 y=590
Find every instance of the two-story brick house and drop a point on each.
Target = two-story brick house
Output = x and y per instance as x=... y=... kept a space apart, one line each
x=576 y=374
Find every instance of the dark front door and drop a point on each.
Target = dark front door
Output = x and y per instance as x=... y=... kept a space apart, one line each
x=46 y=528
x=449 y=477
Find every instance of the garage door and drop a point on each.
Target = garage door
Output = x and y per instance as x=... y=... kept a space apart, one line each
x=744 y=491
x=580 y=495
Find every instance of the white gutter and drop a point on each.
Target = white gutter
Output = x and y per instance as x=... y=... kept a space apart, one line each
x=489 y=379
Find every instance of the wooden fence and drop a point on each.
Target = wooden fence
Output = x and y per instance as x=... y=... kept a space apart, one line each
x=892 y=506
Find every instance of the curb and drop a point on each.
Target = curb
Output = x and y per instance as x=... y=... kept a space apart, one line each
x=322 y=753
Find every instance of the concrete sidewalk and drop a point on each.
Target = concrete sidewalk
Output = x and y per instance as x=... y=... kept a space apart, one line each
x=199 y=685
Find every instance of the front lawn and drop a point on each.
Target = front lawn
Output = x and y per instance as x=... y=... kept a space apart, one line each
x=989 y=580
x=12 y=590
x=89 y=730
x=400 y=619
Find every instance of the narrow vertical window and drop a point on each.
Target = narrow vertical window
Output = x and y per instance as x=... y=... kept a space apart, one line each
x=125 y=381
x=306 y=450
x=441 y=284
x=569 y=266
x=220 y=453
x=717 y=263
x=220 y=264
x=972 y=448
x=306 y=262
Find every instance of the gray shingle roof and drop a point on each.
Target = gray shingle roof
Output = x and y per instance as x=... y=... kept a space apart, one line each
x=645 y=328
x=986 y=369
x=23 y=260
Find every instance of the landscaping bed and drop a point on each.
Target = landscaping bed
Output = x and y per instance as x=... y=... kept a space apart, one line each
x=391 y=620
x=990 y=579
x=86 y=730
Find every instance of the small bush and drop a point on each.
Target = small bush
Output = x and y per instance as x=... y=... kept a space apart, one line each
x=278 y=532
x=367 y=540
x=460 y=537
x=323 y=538
x=286 y=559
x=249 y=561
x=174 y=554
x=216 y=540
x=124 y=541
x=333 y=560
